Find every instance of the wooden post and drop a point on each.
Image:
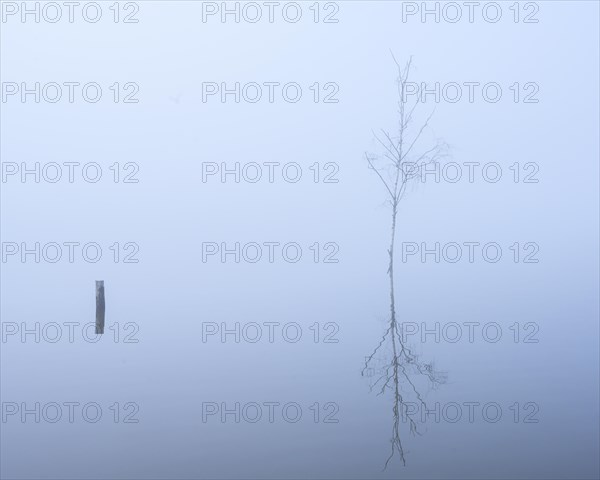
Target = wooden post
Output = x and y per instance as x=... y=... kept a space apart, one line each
x=100 y=306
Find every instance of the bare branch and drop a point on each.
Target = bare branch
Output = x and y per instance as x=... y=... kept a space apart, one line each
x=379 y=175
x=423 y=127
x=393 y=152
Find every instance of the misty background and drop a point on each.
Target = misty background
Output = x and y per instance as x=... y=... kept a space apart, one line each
x=170 y=212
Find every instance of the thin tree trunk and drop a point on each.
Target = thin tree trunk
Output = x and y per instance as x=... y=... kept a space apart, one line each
x=392 y=297
x=397 y=396
x=391 y=267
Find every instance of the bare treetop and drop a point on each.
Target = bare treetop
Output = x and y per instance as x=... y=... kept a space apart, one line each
x=401 y=160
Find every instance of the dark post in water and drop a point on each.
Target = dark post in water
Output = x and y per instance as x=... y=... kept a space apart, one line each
x=100 y=307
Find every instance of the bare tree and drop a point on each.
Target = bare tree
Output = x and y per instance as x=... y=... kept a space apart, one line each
x=400 y=162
